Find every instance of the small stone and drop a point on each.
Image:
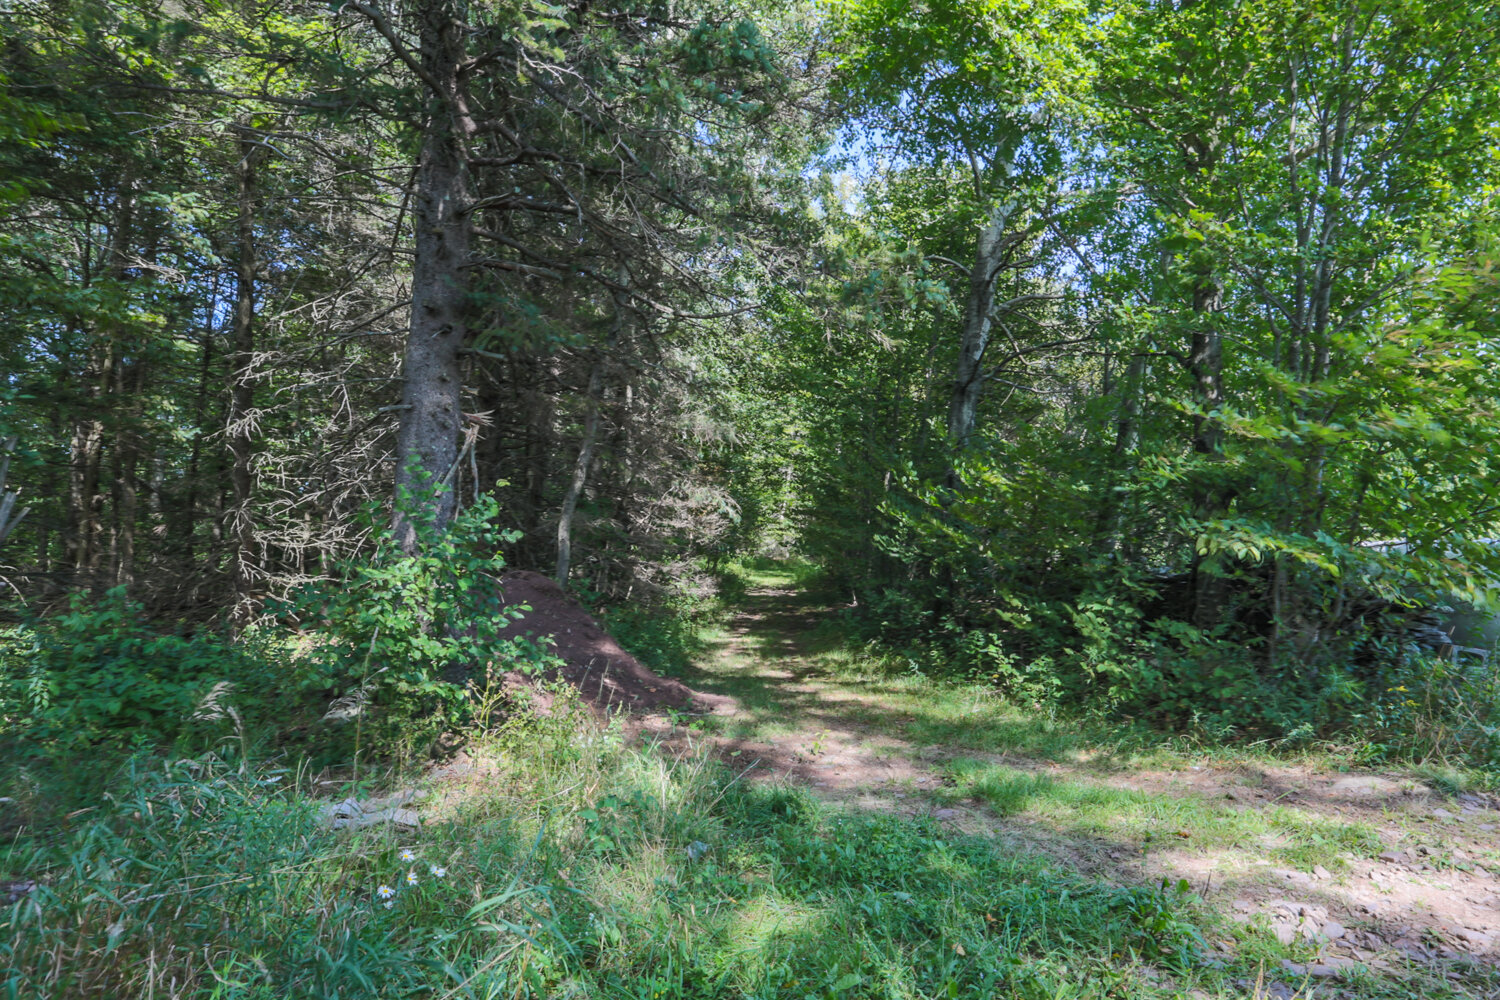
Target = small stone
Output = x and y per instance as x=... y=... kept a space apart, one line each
x=1443 y=814
x=945 y=813
x=1392 y=857
x=1243 y=905
x=1487 y=827
x=1285 y=933
x=1333 y=930
x=11 y=892
x=1320 y=872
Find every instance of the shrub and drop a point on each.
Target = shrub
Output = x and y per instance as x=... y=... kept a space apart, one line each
x=101 y=673
x=404 y=632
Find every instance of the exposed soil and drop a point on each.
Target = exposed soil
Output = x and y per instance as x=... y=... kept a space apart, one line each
x=608 y=678
x=1427 y=897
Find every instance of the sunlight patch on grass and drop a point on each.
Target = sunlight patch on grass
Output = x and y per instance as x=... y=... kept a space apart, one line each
x=1138 y=821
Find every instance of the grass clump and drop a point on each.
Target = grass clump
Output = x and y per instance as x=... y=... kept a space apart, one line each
x=568 y=864
x=1140 y=821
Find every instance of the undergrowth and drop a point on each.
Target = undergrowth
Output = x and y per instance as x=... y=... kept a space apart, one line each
x=568 y=862
x=579 y=866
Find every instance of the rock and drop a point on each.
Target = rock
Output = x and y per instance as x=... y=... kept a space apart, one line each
x=1320 y=872
x=10 y=892
x=1333 y=930
x=1243 y=905
x=1392 y=857
x=348 y=807
x=1285 y=933
x=945 y=814
x=351 y=814
x=391 y=801
x=1443 y=814
x=1269 y=991
x=400 y=817
x=1364 y=786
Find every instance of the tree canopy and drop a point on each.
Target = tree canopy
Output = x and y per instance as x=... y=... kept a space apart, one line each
x=1141 y=354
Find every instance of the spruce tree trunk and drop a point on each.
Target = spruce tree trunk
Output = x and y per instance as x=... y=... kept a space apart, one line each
x=585 y=448
x=580 y=474
x=239 y=422
x=431 y=419
x=86 y=445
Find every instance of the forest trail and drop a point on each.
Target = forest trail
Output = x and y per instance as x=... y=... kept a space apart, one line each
x=1369 y=867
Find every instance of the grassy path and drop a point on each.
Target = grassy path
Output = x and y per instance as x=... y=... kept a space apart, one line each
x=1353 y=869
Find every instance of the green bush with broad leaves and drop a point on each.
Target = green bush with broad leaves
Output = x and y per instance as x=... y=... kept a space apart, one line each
x=404 y=632
x=397 y=633
x=103 y=673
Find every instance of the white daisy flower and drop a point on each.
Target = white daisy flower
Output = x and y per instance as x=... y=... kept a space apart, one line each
x=438 y=871
x=385 y=892
x=411 y=878
x=389 y=903
x=407 y=854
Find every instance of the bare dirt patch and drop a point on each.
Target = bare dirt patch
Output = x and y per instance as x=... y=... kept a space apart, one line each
x=608 y=677
x=1431 y=895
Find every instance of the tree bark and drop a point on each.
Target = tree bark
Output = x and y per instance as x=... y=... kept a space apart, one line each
x=968 y=379
x=240 y=421
x=1206 y=364
x=86 y=445
x=580 y=474
x=431 y=419
x=585 y=450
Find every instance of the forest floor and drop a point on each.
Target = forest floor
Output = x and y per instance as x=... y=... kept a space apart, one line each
x=1381 y=869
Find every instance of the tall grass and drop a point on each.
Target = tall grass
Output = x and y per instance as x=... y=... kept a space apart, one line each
x=566 y=862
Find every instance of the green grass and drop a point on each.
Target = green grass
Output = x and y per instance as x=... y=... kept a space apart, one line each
x=1143 y=821
x=803 y=640
x=577 y=865
x=580 y=866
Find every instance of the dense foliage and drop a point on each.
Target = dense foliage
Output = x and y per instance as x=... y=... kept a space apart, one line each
x=1134 y=357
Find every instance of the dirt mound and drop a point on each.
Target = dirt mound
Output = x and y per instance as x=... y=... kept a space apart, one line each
x=608 y=677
